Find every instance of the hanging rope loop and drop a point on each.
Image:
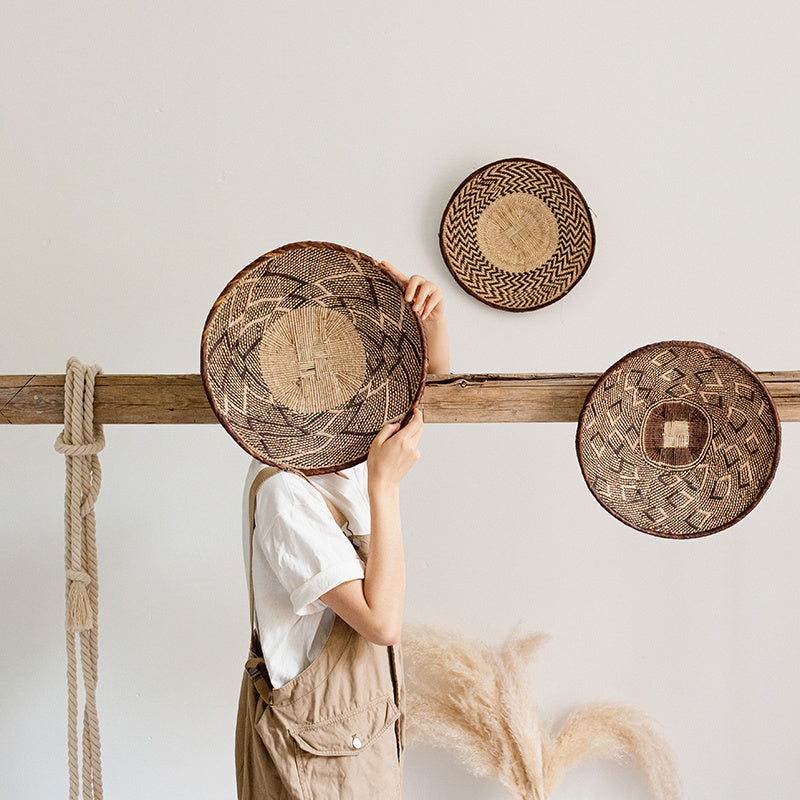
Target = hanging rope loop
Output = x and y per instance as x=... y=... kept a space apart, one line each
x=81 y=441
x=88 y=449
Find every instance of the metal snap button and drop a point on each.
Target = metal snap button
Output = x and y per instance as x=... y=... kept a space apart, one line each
x=357 y=743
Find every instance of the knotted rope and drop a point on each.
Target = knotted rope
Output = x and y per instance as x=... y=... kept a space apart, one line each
x=80 y=442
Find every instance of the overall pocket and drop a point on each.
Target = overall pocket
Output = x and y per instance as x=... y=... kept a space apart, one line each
x=351 y=756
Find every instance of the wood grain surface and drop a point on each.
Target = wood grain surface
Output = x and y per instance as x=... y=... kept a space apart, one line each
x=180 y=399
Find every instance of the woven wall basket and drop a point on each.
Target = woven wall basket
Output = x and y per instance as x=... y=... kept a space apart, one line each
x=678 y=439
x=517 y=234
x=308 y=352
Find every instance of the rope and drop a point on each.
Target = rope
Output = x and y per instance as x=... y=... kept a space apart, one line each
x=80 y=442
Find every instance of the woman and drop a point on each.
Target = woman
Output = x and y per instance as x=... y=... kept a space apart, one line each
x=321 y=712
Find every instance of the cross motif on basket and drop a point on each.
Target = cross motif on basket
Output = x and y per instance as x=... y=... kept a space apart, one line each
x=514 y=231
x=312 y=359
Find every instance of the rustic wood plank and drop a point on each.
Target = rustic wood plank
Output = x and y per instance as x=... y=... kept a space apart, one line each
x=136 y=399
x=180 y=399
x=506 y=398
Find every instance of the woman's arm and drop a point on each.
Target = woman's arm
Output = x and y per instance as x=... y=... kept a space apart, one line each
x=374 y=606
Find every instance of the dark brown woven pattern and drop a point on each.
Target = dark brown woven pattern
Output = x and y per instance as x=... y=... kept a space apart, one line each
x=308 y=352
x=517 y=234
x=678 y=439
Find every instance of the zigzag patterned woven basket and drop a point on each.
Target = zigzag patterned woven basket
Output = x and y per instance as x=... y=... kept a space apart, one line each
x=678 y=439
x=517 y=234
x=308 y=352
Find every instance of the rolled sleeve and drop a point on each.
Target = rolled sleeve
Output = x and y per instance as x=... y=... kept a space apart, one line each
x=305 y=599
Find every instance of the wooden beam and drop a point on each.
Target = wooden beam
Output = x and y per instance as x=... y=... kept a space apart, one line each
x=551 y=398
x=180 y=399
x=139 y=399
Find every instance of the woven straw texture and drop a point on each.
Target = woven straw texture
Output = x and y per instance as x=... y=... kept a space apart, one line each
x=308 y=352
x=678 y=439
x=517 y=234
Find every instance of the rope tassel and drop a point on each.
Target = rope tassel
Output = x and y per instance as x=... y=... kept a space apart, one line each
x=80 y=442
x=79 y=609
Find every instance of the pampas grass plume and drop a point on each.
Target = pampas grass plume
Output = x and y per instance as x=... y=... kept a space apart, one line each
x=473 y=699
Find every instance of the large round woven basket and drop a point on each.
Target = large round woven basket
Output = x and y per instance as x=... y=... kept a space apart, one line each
x=678 y=439
x=308 y=352
x=517 y=234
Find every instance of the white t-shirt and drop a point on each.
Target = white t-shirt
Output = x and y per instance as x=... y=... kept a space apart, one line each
x=299 y=554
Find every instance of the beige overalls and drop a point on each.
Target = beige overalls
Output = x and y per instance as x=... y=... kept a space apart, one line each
x=336 y=731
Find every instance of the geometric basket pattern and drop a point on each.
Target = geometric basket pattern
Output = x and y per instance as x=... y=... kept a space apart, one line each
x=308 y=352
x=678 y=439
x=543 y=239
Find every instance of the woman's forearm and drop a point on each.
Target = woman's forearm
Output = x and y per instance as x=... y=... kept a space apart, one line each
x=438 y=340
x=385 y=572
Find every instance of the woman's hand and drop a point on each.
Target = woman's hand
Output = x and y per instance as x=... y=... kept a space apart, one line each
x=427 y=300
x=425 y=296
x=393 y=452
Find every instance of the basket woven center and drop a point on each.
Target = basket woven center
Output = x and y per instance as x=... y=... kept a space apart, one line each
x=517 y=232
x=675 y=434
x=312 y=359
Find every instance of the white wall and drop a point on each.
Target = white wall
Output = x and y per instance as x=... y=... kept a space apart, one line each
x=151 y=150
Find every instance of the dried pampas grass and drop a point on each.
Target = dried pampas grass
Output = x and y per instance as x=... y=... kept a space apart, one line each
x=474 y=700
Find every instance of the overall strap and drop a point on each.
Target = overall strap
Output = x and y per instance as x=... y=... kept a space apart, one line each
x=265 y=473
